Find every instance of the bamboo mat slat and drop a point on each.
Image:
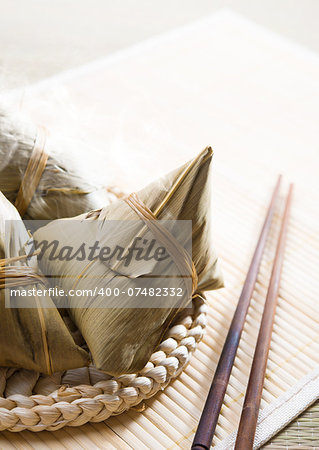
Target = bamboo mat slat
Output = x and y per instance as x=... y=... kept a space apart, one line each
x=254 y=97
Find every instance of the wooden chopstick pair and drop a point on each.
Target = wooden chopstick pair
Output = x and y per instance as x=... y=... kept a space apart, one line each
x=248 y=421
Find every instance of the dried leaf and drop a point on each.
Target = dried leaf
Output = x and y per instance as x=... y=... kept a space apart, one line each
x=31 y=338
x=64 y=189
x=122 y=338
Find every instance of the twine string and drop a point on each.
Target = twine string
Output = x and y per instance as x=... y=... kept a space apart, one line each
x=33 y=173
x=178 y=253
x=13 y=275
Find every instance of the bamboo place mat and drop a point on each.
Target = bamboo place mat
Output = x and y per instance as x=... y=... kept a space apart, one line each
x=252 y=96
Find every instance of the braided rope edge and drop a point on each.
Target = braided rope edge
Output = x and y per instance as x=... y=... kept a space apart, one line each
x=75 y=406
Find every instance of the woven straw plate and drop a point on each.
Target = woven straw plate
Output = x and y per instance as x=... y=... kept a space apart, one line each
x=77 y=405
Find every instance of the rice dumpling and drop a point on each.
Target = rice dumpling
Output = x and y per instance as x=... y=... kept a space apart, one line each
x=120 y=333
x=40 y=174
x=34 y=337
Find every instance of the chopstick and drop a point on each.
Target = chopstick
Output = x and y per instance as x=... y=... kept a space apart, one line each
x=208 y=421
x=249 y=416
